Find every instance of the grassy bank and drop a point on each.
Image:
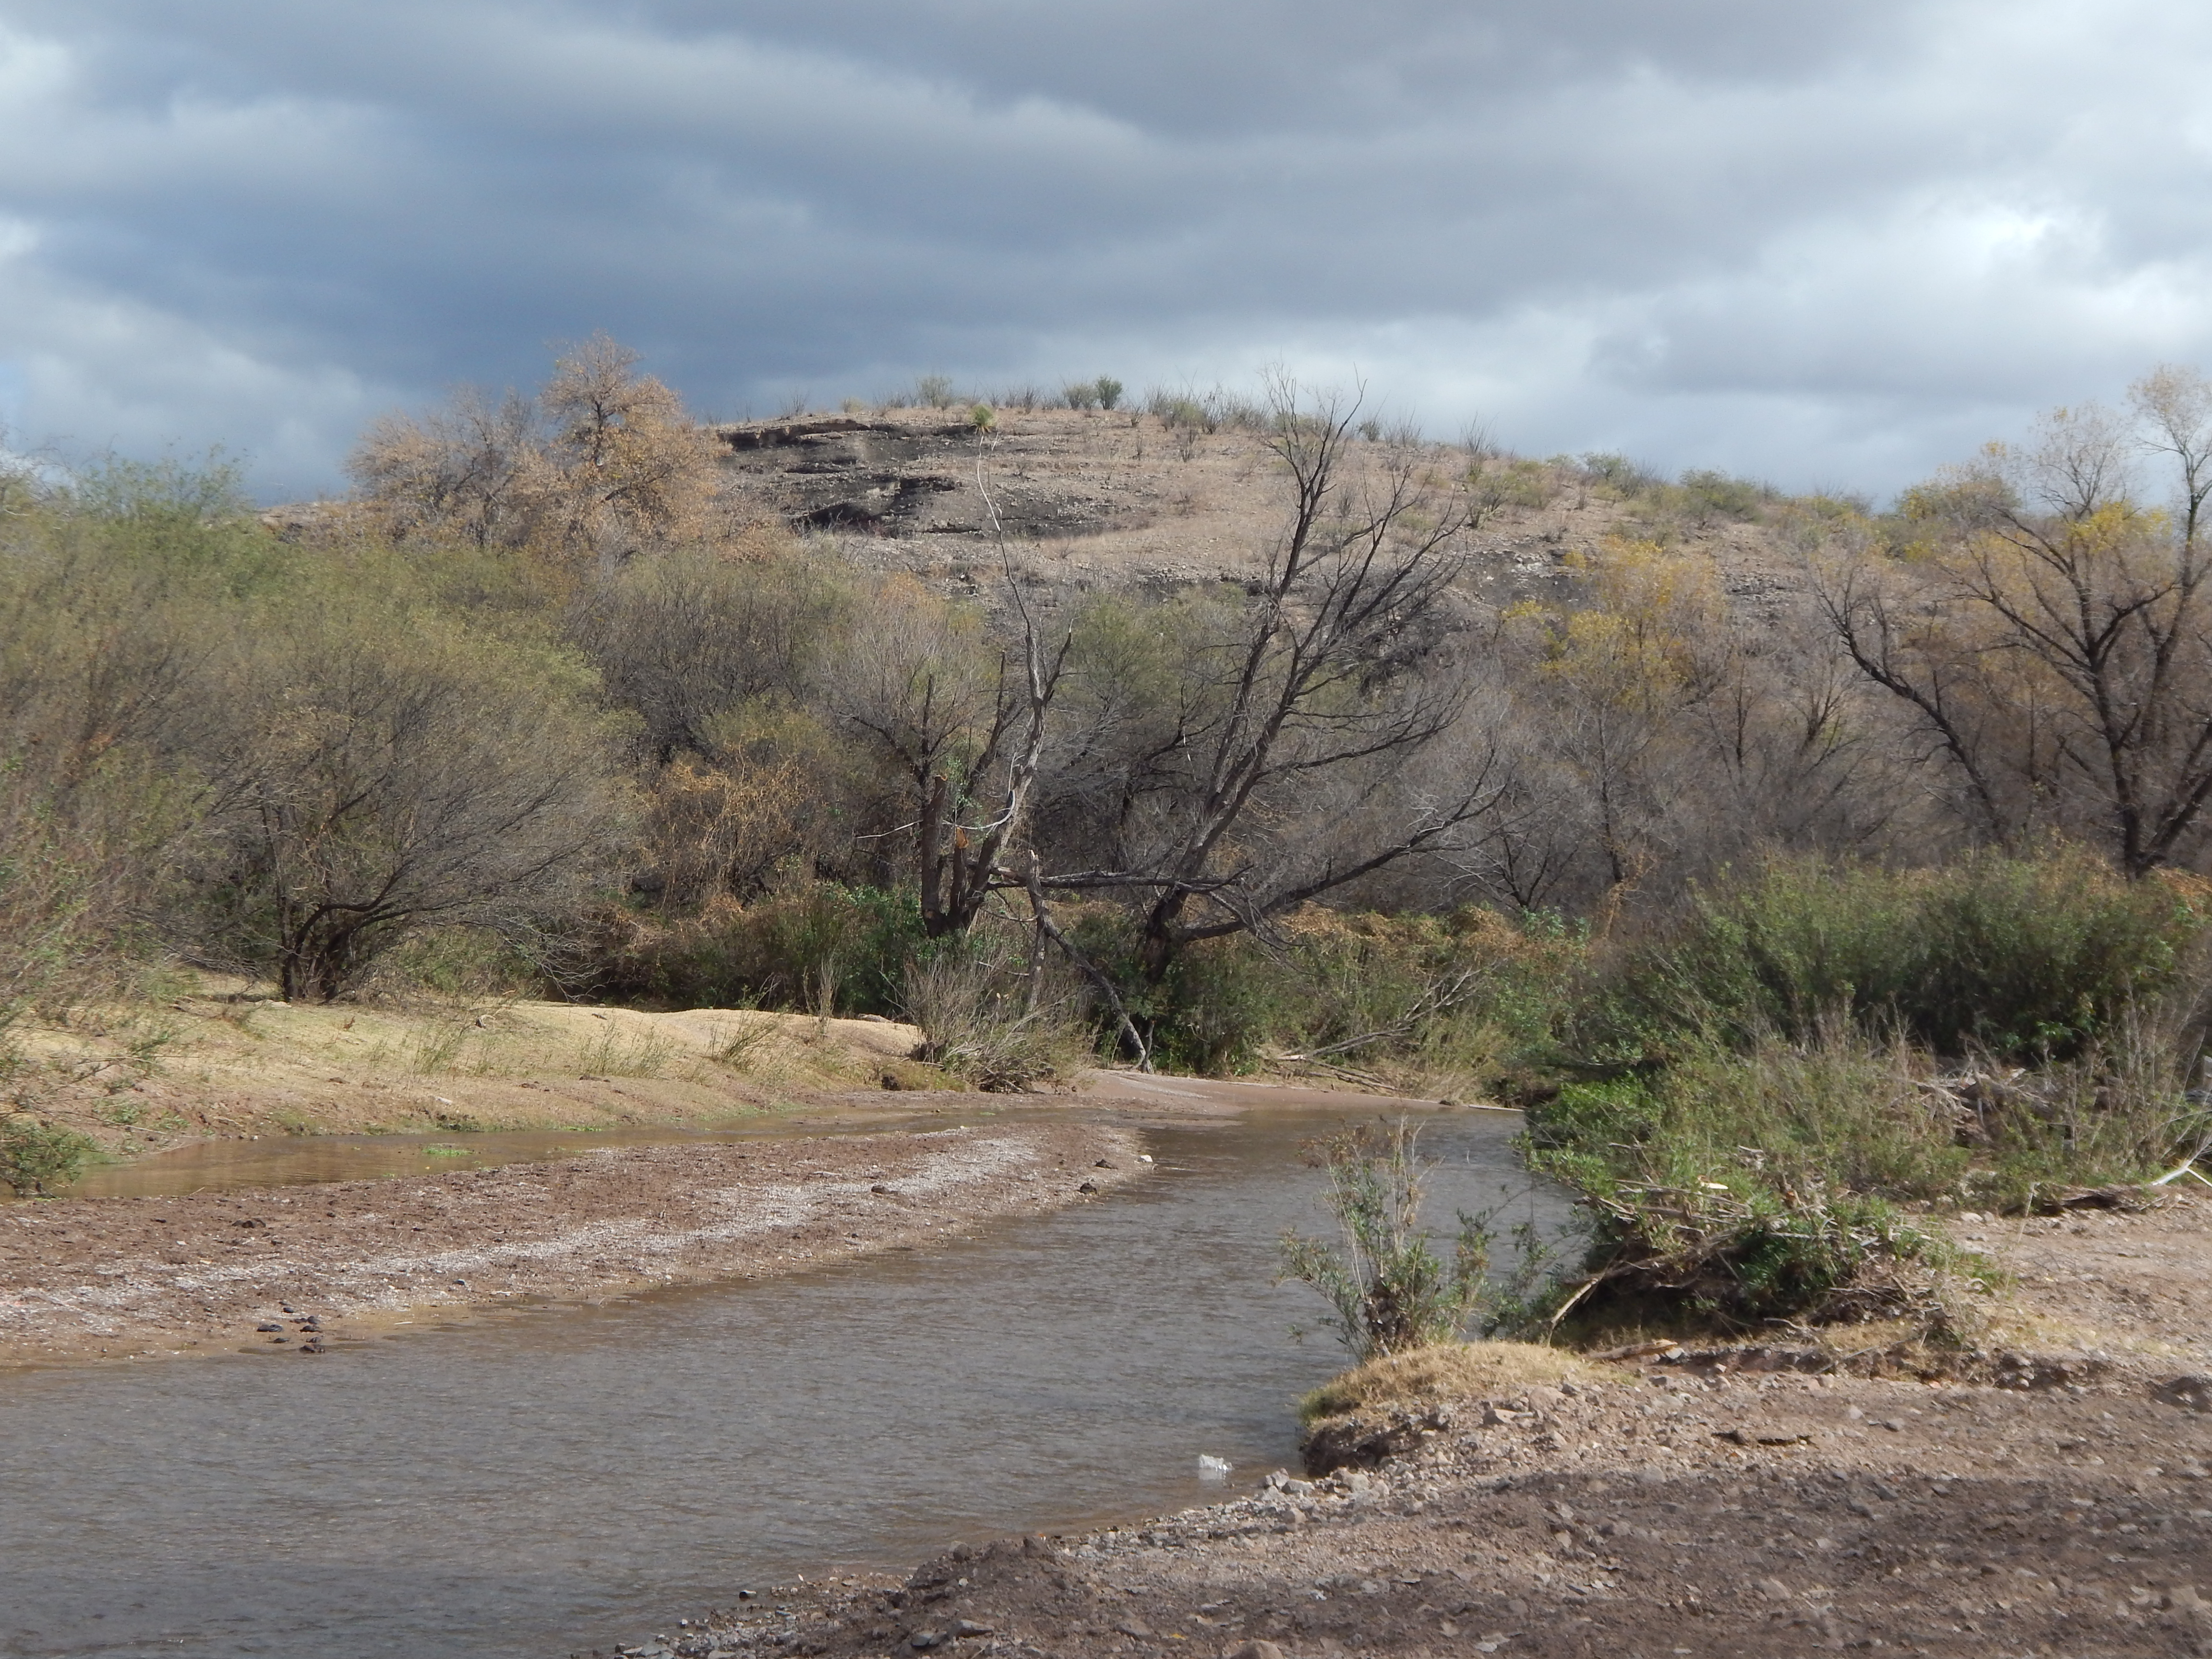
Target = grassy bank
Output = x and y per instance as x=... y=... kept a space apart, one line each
x=220 y=1058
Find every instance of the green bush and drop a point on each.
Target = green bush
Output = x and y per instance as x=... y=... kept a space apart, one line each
x=1736 y=1187
x=822 y=948
x=1466 y=1001
x=1747 y=1182
x=1707 y=496
x=1387 y=1289
x=2019 y=957
x=34 y=1156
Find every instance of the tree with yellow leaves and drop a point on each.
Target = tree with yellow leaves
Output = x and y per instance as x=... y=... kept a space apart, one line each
x=2052 y=633
x=602 y=456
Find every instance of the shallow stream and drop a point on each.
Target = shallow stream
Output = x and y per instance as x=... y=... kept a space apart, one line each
x=543 y=1482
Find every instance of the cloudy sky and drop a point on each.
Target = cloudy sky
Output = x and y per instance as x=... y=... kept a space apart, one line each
x=1828 y=244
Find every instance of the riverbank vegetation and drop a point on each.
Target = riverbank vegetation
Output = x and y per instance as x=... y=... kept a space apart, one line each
x=1853 y=871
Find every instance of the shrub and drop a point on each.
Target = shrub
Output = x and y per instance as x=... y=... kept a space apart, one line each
x=1466 y=1002
x=34 y=1156
x=2021 y=958
x=1388 y=1290
x=1707 y=496
x=1737 y=1187
x=823 y=948
x=1618 y=474
x=396 y=773
x=934 y=391
x=979 y=1022
x=1109 y=390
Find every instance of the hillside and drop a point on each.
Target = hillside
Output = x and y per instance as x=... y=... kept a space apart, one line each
x=1090 y=499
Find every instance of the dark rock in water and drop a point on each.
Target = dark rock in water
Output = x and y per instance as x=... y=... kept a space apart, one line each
x=312 y=1323
x=268 y=1328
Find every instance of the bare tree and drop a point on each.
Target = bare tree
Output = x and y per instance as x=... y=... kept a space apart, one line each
x=1317 y=677
x=630 y=460
x=474 y=467
x=395 y=775
x=2055 y=643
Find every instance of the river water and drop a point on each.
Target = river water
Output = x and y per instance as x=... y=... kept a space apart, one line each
x=546 y=1481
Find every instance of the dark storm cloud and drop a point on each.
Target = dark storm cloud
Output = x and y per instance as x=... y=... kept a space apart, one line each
x=1821 y=242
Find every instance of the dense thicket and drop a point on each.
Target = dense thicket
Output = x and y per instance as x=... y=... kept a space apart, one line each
x=538 y=687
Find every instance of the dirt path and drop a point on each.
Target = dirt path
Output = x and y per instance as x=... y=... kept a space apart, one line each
x=1690 y=1506
x=306 y=1265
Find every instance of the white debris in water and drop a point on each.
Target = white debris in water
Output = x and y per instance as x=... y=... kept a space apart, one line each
x=1214 y=1468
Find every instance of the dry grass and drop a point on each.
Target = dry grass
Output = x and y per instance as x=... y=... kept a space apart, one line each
x=233 y=1061
x=1450 y=1371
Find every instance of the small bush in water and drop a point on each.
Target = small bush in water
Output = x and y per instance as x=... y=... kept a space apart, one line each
x=1389 y=1289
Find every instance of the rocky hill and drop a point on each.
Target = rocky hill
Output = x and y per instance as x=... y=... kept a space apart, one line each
x=1092 y=498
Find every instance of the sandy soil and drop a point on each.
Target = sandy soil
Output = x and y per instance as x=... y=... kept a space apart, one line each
x=1689 y=1503
x=305 y=1266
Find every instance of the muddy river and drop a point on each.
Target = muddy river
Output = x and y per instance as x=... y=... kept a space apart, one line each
x=545 y=1481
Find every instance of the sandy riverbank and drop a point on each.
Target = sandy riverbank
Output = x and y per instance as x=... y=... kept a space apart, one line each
x=114 y=1277
x=1548 y=1504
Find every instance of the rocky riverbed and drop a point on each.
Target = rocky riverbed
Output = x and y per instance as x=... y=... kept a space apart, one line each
x=2054 y=1500
x=302 y=1268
